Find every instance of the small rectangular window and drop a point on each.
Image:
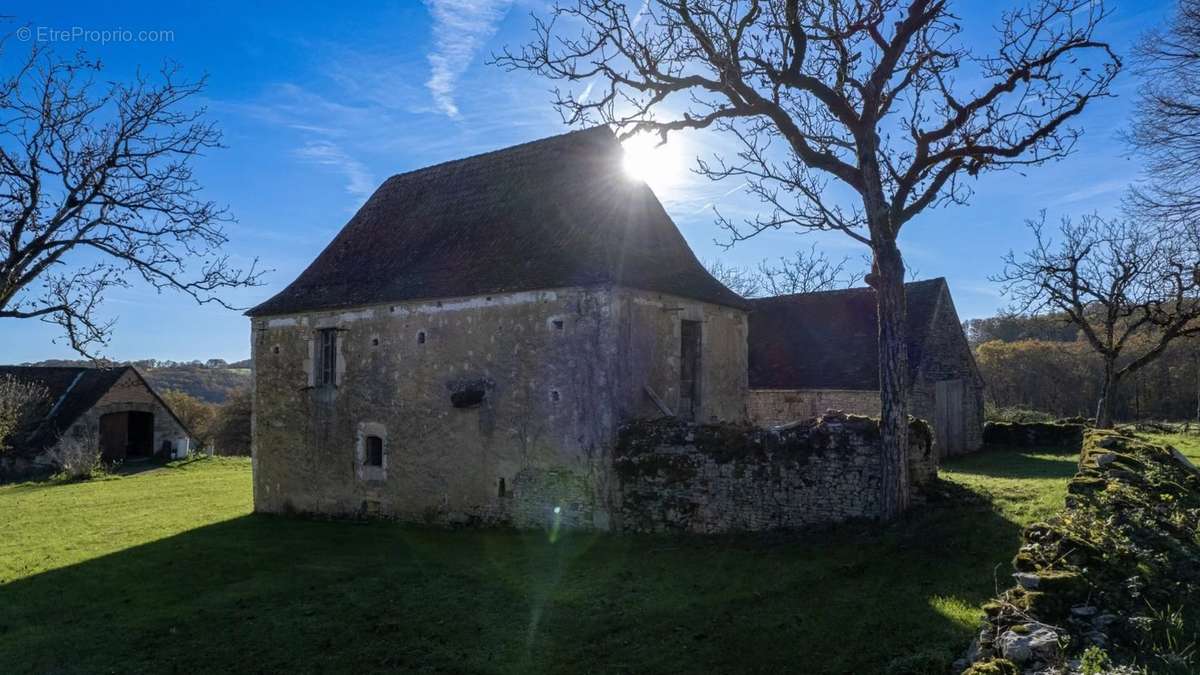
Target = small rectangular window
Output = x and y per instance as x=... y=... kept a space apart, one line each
x=373 y=451
x=326 y=357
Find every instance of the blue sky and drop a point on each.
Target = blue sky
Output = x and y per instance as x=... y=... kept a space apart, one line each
x=320 y=102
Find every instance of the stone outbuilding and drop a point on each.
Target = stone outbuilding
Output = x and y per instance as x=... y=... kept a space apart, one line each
x=467 y=346
x=114 y=408
x=814 y=352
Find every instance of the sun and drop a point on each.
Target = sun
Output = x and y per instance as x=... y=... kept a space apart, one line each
x=647 y=159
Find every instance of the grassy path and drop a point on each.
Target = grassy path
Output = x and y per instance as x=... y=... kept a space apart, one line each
x=168 y=571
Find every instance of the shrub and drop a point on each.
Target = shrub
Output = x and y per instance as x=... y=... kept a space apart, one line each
x=230 y=430
x=77 y=457
x=995 y=413
x=1094 y=661
x=20 y=402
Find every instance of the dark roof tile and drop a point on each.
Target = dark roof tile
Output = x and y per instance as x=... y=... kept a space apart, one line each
x=829 y=340
x=72 y=391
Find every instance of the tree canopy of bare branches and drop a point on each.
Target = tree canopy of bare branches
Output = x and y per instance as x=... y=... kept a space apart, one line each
x=1116 y=280
x=96 y=188
x=878 y=98
x=1166 y=127
x=802 y=272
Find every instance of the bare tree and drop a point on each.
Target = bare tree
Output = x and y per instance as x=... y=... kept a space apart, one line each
x=1166 y=128
x=806 y=273
x=1115 y=280
x=21 y=404
x=803 y=272
x=879 y=96
x=96 y=185
x=744 y=281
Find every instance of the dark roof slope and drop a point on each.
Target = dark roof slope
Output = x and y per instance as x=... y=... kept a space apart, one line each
x=553 y=213
x=72 y=391
x=829 y=340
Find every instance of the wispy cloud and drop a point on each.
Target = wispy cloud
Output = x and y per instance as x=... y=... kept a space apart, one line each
x=1104 y=188
x=359 y=181
x=460 y=27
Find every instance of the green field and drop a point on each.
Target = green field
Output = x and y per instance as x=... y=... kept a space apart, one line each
x=168 y=571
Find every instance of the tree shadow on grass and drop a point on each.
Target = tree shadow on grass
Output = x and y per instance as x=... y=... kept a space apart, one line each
x=270 y=594
x=1003 y=463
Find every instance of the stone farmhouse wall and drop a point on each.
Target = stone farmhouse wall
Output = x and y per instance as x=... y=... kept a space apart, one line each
x=676 y=477
x=558 y=371
x=772 y=407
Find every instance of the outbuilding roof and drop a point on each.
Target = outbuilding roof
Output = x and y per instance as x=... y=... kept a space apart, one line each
x=71 y=392
x=829 y=340
x=558 y=212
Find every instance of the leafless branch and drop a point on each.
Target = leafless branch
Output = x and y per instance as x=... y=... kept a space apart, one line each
x=96 y=185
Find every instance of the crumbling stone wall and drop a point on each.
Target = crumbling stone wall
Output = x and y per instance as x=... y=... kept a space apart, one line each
x=1034 y=435
x=1116 y=570
x=726 y=478
x=492 y=409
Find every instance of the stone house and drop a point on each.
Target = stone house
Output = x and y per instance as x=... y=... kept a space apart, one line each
x=814 y=352
x=114 y=408
x=467 y=346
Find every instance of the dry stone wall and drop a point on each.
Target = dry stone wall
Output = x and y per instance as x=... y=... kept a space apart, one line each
x=1034 y=435
x=715 y=478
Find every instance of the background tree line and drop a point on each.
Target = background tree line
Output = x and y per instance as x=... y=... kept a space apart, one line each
x=1042 y=363
x=224 y=427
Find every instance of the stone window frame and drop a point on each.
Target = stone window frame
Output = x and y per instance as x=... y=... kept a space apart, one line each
x=364 y=471
x=325 y=353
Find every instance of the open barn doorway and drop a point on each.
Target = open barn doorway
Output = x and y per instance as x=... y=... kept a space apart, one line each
x=126 y=435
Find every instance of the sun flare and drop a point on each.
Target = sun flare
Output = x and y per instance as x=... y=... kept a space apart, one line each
x=648 y=160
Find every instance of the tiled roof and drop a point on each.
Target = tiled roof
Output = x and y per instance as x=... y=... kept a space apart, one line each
x=829 y=340
x=558 y=212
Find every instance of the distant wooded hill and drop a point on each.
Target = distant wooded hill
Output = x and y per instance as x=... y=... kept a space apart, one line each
x=213 y=381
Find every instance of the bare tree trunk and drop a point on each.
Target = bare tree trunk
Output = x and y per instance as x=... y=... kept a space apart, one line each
x=1108 y=396
x=888 y=281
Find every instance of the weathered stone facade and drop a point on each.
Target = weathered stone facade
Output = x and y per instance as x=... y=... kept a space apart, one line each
x=558 y=371
x=772 y=407
x=725 y=478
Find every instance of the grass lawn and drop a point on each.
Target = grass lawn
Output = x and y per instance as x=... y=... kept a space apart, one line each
x=168 y=571
x=1188 y=444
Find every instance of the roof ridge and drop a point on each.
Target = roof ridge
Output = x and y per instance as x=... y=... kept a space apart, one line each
x=833 y=291
x=508 y=148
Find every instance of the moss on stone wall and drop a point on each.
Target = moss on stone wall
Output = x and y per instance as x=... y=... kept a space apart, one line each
x=1119 y=568
x=1034 y=435
x=676 y=475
